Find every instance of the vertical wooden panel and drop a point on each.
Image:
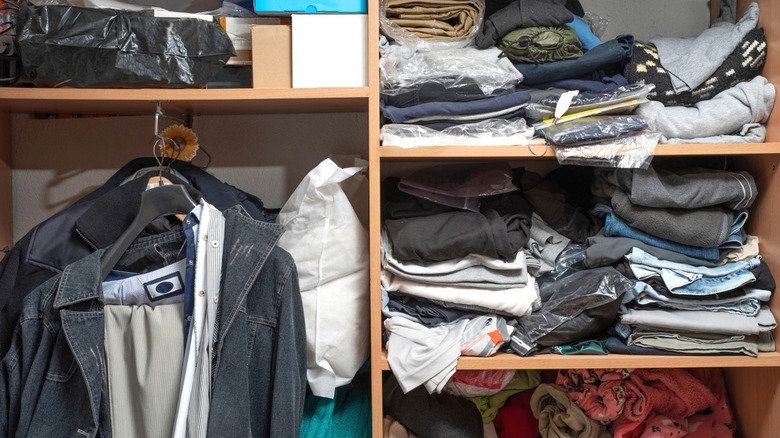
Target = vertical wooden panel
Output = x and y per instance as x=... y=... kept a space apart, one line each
x=714 y=9
x=6 y=185
x=374 y=193
x=754 y=400
x=753 y=391
x=769 y=18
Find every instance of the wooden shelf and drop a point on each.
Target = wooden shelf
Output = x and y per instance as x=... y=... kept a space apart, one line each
x=542 y=151
x=195 y=101
x=510 y=361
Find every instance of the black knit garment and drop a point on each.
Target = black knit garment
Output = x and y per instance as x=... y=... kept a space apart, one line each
x=743 y=64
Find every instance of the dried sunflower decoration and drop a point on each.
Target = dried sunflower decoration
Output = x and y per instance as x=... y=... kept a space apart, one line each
x=179 y=143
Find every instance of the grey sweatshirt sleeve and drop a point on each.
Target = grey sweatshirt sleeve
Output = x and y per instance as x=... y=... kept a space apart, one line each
x=726 y=113
x=690 y=61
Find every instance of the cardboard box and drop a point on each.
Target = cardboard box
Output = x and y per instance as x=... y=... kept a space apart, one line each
x=239 y=30
x=271 y=56
x=329 y=50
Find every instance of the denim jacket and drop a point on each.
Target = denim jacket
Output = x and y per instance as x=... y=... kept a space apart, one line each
x=53 y=379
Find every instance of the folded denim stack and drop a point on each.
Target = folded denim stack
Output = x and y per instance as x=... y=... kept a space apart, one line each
x=700 y=284
x=694 y=211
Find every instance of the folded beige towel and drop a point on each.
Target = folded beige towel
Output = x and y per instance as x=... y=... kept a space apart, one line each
x=434 y=19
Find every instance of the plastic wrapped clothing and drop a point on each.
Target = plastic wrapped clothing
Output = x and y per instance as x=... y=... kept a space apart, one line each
x=191 y=6
x=81 y=47
x=578 y=306
x=401 y=67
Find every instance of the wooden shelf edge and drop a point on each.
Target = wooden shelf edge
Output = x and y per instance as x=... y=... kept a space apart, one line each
x=198 y=101
x=549 y=361
x=542 y=151
x=127 y=94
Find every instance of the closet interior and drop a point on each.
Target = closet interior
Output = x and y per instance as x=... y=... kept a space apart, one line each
x=752 y=382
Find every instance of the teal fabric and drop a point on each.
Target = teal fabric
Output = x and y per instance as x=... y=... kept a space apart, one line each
x=347 y=415
x=592 y=347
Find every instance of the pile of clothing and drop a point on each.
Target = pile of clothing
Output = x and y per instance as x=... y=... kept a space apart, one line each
x=442 y=295
x=705 y=89
x=619 y=403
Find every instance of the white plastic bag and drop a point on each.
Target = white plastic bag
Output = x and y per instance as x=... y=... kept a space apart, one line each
x=329 y=243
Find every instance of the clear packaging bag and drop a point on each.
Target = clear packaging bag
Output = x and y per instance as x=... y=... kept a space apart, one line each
x=459 y=185
x=589 y=130
x=622 y=100
x=491 y=132
x=629 y=152
x=598 y=24
x=403 y=67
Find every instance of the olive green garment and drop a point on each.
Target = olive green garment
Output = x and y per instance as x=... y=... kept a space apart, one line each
x=559 y=417
x=538 y=45
x=489 y=405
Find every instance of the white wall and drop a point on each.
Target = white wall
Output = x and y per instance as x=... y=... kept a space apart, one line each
x=56 y=161
x=648 y=18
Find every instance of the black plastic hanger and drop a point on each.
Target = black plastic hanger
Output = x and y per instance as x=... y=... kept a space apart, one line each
x=155 y=202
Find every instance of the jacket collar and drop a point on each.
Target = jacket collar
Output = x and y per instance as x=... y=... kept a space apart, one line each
x=80 y=281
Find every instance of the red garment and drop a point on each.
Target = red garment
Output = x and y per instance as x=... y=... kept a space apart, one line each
x=515 y=419
x=717 y=421
x=642 y=403
x=675 y=392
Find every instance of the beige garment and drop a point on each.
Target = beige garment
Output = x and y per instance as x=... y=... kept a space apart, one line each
x=391 y=428
x=435 y=19
x=489 y=430
x=144 y=353
x=559 y=417
x=745 y=252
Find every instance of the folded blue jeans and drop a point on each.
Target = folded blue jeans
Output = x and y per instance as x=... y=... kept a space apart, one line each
x=682 y=279
x=614 y=226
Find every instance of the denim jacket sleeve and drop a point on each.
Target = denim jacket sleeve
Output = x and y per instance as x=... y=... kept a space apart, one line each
x=24 y=367
x=290 y=378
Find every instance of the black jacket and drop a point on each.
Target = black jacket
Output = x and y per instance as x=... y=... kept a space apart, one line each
x=93 y=222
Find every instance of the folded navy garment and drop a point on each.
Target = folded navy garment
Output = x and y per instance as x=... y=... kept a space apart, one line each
x=448 y=89
x=609 y=55
x=589 y=130
x=481 y=106
x=605 y=83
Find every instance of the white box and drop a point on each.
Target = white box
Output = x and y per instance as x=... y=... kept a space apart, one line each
x=329 y=50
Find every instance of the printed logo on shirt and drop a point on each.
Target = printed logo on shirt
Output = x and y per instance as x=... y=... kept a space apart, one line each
x=164 y=287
